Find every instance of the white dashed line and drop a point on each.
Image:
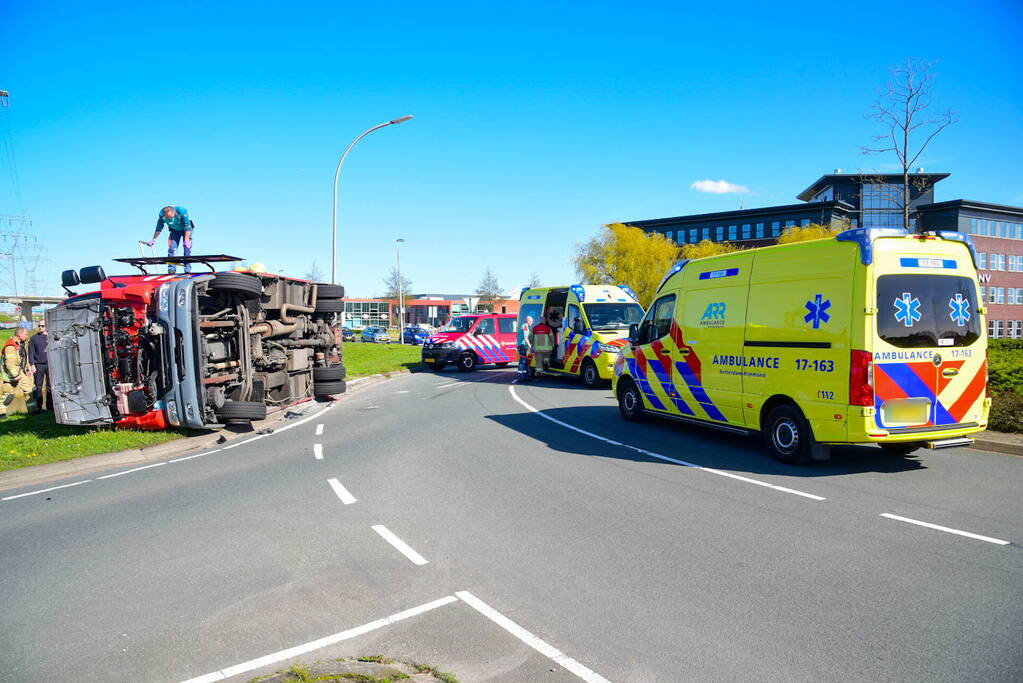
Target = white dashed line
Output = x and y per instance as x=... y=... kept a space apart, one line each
x=658 y=456
x=52 y=488
x=137 y=469
x=318 y=451
x=342 y=493
x=541 y=646
x=967 y=534
x=401 y=546
x=319 y=430
x=298 y=650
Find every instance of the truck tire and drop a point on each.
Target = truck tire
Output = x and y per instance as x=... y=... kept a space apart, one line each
x=329 y=292
x=328 y=388
x=329 y=306
x=467 y=362
x=240 y=412
x=247 y=286
x=331 y=374
x=630 y=402
x=590 y=375
x=787 y=435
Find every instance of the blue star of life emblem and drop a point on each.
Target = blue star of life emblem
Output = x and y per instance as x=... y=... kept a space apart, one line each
x=907 y=309
x=960 y=313
x=818 y=311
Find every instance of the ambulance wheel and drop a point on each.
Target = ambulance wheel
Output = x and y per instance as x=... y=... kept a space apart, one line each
x=630 y=403
x=900 y=448
x=248 y=286
x=591 y=377
x=467 y=362
x=500 y=365
x=787 y=435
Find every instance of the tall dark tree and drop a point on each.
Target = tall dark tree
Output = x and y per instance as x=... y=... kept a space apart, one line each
x=904 y=111
x=489 y=289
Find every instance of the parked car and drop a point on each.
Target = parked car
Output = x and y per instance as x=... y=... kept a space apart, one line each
x=376 y=335
x=414 y=335
x=195 y=350
x=347 y=334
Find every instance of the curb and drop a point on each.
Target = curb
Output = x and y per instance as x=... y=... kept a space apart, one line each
x=38 y=474
x=997 y=446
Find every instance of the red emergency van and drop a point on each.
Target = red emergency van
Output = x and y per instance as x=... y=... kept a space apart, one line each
x=470 y=340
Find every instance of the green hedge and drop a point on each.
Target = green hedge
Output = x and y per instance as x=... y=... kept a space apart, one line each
x=1005 y=384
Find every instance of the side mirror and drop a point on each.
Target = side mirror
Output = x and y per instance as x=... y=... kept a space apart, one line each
x=69 y=278
x=92 y=274
x=634 y=333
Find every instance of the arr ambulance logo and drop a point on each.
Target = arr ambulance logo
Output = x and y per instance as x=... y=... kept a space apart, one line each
x=960 y=313
x=714 y=316
x=818 y=311
x=907 y=309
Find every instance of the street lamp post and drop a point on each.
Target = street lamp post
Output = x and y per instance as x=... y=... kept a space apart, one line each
x=337 y=176
x=401 y=296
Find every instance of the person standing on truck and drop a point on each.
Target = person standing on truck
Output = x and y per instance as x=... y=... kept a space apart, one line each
x=40 y=367
x=15 y=372
x=179 y=228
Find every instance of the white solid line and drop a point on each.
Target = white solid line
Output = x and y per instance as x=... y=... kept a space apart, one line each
x=658 y=456
x=978 y=537
x=319 y=430
x=341 y=492
x=304 y=419
x=52 y=488
x=402 y=547
x=197 y=455
x=318 y=451
x=541 y=646
x=137 y=469
x=298 y=650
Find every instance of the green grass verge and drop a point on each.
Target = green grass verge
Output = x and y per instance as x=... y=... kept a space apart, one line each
x=36 y=439
x=363 y=359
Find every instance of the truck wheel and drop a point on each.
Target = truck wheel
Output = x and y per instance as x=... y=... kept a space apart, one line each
x=467 y=362
x=591 y=377
x=328 y=388
x=900 y=448
x=329 y=292
x=248 y=286
x=331 y=374
x=240 y=412
x=329 y=306
x=788 y=436
x=630 y=403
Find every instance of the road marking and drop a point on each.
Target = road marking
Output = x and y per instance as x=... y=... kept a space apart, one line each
x=541 y=646
x=341 y=492
x=319 y=430
x=404 y=391
x=318 y=451
x=298 y=650
x=137 y=469
x=658 y=456
x=978 y=537
x=402 y=547
x=52 y=488
x=197 y=455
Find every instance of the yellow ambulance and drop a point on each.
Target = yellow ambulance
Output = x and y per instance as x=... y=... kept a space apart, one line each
x=873 y=336
x=590 y=324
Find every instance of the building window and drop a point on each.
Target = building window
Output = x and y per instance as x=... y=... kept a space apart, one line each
x=775 y=228
x=1000 y=263
x=720 y=232
x=694 y=235
x=804 y=222
x=1011 y=296
x=1012 y=263
x=670 y=235
x=983 y=293
x=706 y=233
x=994 y=328
x=1017 y=329
x=733 y=232
x=982 y=260
x=760 y=230
x=746 y=232
x=1019 y=295
x=973 y=226
x=999 y=295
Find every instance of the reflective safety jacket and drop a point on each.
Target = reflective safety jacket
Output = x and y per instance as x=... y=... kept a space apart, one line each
x=543 y=338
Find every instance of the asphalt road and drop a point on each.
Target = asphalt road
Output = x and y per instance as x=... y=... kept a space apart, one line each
x=517 y=533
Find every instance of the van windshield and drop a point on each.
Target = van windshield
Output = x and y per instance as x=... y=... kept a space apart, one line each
x=616 y=316
x=460 y=324
x=916 y=310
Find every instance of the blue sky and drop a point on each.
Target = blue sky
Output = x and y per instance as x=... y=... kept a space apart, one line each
x=534 y=123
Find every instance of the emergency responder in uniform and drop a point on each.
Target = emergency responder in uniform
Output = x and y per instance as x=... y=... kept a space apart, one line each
x=15 y=372
x=179 y=231
x=543 y=345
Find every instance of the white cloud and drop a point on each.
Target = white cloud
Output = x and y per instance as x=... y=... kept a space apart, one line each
x=719 y=187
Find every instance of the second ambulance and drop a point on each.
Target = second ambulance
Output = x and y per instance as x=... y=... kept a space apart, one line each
x=873 y=336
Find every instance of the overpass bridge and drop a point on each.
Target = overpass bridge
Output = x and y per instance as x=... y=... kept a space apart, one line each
x=28 y=302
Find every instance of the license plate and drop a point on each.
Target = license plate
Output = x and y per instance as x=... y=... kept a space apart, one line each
x=908 y=411
x=428 y=360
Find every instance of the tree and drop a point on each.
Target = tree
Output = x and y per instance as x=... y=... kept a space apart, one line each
x=904 y=109
x=534 y=281
x=707 y=248
x=625 y=255
x=391 y=285
x=489 y=289
x=813 y=231
x=314 y=274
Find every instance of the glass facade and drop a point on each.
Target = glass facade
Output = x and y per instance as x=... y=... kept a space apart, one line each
x=881 y=205
x=359 y=314
x=992 y=228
